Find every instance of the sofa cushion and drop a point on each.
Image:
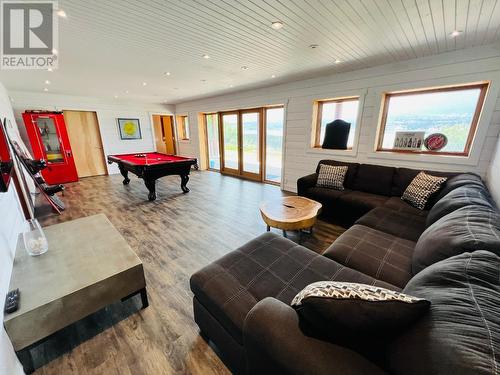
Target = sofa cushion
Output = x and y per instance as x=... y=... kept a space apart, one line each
x=397 y=223
x=404 y=176
x=375 y=179
x=347 y=311
x=466 y=229
x=380 y=255
x=467 y=195
x=397 y=204
x=354 y=204
x=267 y=266
x=456 y=181
x=461 y=332
x=352 y=169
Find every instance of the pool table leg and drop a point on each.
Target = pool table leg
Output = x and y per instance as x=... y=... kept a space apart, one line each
x=151 y=185
x=184 y=181
x=124 y=173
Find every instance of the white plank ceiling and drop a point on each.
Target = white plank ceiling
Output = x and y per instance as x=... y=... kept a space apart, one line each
x=110 y=48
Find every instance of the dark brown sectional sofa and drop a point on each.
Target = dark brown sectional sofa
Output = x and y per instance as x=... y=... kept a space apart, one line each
x=448 y=254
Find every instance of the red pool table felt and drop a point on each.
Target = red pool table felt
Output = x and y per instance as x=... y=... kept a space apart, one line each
x=150 y=158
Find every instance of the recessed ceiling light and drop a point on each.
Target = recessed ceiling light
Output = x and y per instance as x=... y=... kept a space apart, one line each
x=231 y=86
x=204 y=80
x=337 y=61
x=205 y=56
x=276 y=25
x=47 y=82
x=313 y=46
x=61 y=13
x=273 y=76
x=144 y=84
x=45 y=89
x=126 y=91
x=176 y=88
x=54 y=51
x=49 y=69
x=115 y=96
x=455 y=33
x=167 y=73
x=244 y=67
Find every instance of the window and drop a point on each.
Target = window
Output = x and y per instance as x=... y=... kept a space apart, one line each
x=335 y=109
x=183 y=127
x=451 y=111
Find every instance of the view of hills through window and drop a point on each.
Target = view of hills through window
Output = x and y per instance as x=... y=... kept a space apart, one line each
x=447 y=112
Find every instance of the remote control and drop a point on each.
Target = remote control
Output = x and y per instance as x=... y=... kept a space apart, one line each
x=12 y=301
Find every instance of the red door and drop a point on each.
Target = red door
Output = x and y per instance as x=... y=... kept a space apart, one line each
x=49 y=141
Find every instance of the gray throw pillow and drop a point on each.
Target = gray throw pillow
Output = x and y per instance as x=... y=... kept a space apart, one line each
x=331 y=176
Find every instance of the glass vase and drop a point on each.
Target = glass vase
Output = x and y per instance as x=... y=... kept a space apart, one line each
x=35 y=241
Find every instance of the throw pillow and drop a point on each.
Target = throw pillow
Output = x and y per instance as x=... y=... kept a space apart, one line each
x=346 y=312
x=331 y=176
x=421 y=188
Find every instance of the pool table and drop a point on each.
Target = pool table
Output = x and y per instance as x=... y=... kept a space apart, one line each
x=151 y=166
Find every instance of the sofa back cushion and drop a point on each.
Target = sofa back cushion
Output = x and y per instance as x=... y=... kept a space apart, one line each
x=456 y=181
x=466 y=229
x=460 y=334
x=467 y=195
x=375 y=179
x=404 y=176
x=352 y=169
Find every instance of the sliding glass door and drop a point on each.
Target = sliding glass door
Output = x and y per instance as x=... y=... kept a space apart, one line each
x=274 y=144
x=230 y=143
x=246 y=143
x=213 y=145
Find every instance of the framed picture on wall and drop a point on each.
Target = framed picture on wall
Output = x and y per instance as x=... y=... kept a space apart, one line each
x=129 y=128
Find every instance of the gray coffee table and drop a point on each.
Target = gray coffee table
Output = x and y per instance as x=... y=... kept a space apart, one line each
x=89 y=265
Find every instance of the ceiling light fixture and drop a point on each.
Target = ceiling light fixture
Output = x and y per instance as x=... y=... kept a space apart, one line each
x=276 y=25
x=205 y=56
x=45 y=89
x=244 y=67
x=144 y=84
x=337 y=61
x=455 y=33
x=167 y=73
x=61 y=13
x=115 y=96
x=231 y=86
x=273 y=76
x=313 y=46
x=126 y=91
x=47 y=82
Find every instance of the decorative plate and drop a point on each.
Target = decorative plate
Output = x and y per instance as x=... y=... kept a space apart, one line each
x=435 y=142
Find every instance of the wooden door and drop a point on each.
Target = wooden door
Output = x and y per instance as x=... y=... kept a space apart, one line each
x=168 y=129
x=159 y=134
x=85 y=139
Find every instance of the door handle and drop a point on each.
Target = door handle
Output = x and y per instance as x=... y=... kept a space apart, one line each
x=68 y=154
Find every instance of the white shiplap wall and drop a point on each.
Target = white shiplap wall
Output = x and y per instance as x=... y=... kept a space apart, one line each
x=470 y=65
x=107 y=114
x=11 y=224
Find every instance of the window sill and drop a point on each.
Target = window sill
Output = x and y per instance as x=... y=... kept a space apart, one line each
x=422 y=157
x=331 y=152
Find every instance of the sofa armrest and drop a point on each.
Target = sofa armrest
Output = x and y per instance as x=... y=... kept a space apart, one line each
x=274 y=343
x=306 y=182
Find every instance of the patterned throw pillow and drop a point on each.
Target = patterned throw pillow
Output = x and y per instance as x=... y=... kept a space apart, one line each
x=421 y=188
x=331 y=176
x=346 y=312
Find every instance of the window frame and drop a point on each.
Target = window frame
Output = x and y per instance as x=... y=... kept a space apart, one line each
x=318 y=109
x=183 y=132
x=386 y=97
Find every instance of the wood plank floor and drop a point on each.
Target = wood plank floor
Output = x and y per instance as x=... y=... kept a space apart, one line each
x=174 y=236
